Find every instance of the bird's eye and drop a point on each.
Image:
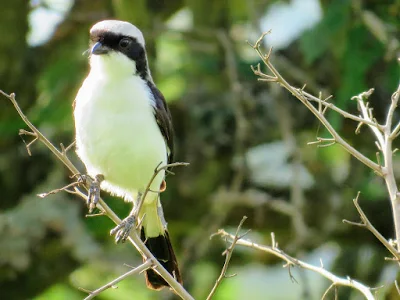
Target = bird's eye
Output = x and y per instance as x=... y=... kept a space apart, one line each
x=124 y=43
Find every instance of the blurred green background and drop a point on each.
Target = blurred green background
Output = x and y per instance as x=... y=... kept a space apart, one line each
x=246 y=142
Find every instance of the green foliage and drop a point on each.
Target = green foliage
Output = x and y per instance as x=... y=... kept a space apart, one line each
x=359 y=55
x=172 y=61
x=60 y=292
x=335 y=23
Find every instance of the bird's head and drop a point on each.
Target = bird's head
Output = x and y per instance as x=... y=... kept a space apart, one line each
x=118 y=49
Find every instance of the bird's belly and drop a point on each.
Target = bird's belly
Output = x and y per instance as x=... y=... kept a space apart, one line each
x=126 y=152
x=120 y=139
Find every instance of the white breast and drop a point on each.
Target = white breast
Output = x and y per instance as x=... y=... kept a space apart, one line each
x=117 y=134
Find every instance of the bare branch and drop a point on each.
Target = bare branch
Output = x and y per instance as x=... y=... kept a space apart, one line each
x=320 y=116
x=274 y=250
x=157 y=170
x=65 y=188
x=367 y=224
x=397 y=286
x=143 y=267
x=332 y=286
x=65 y=150
x=132 y=220
x=340 y=111
x=366 y=112
x=320 y=142
x=383 y=133
x=389 y=176
x=392 y=107
x=96 y=215
x=395 y=100
x=228 y=254
x=396 y=131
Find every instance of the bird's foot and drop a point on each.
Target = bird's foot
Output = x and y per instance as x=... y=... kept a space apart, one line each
x=94 y=192
x=123 y=230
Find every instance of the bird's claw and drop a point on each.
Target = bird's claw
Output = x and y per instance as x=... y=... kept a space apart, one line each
x=123 y=230
x=94 y=192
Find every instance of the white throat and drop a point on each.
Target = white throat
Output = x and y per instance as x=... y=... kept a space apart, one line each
x=112 y=65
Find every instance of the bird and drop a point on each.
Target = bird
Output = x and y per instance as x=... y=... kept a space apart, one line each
x=124 y=132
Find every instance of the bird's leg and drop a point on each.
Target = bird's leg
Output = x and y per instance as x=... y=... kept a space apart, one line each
x=123 y=229
x=94 y=192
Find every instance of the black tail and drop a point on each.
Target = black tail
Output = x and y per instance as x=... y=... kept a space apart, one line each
x=162 y=250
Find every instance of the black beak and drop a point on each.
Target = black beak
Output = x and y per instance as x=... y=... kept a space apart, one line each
x=99 y=49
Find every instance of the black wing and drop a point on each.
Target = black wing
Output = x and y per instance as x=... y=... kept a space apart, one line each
x=163 y=118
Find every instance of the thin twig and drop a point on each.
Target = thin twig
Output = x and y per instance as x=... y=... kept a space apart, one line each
x=338 y=281
x=342 y=112
x=64 y=149
x=143 y=267
x=367 y=224
x=65 y=188
x=395 y=131
x=320 y=142
x=367 y=115
x=397 y=287
x=157 y=170
x=332 y=286
x=228 y=254
x=119 y=231
x=392 y=108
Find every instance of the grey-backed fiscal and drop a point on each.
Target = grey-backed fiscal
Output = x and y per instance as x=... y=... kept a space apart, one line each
x=124 y=131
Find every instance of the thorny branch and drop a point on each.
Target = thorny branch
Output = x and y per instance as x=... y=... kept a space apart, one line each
x=291 y=262
x=134 y=237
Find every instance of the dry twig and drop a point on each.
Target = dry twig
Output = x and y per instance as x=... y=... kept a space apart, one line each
x=367 y=224
x=138 y=270
x=65 y=188
x=291 y=261
x=332 y=286
x=228 y=254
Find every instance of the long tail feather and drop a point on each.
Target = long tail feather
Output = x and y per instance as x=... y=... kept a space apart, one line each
x=162 y=249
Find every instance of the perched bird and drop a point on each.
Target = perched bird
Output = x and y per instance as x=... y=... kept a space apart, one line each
x=124 y=131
